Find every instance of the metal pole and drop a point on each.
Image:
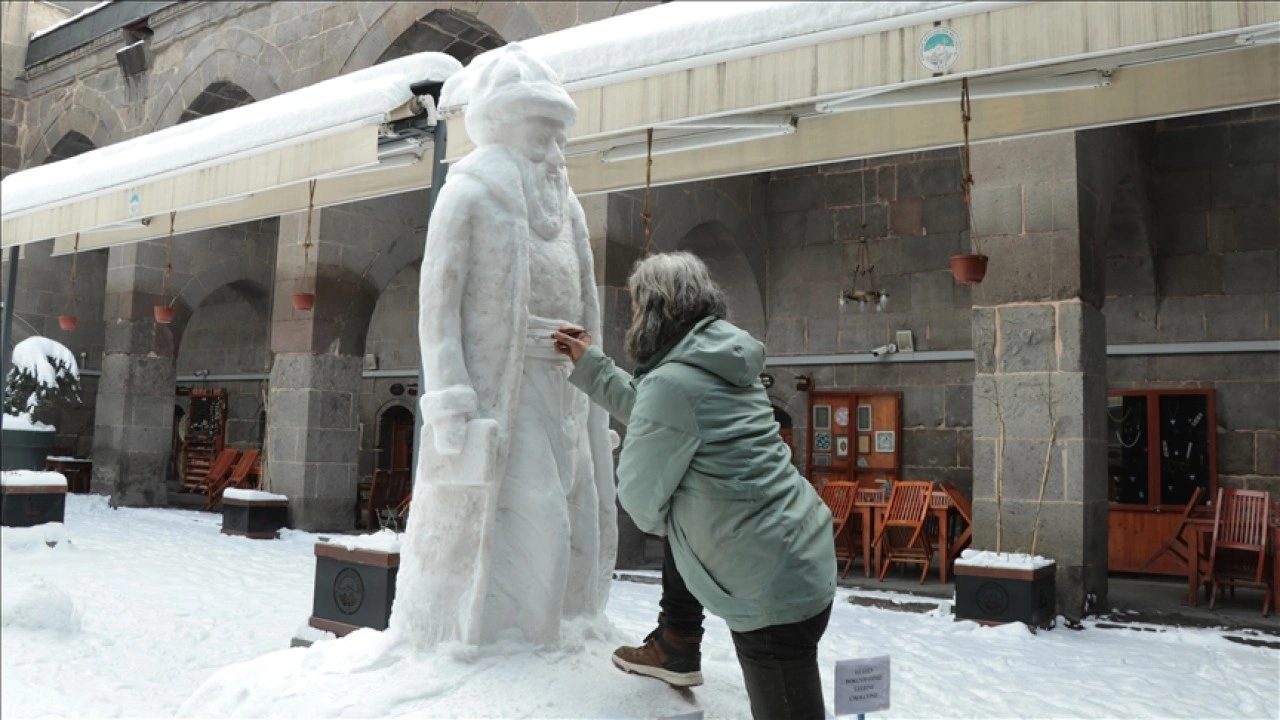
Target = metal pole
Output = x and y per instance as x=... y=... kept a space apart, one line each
x=440 y=141
x=6 y=330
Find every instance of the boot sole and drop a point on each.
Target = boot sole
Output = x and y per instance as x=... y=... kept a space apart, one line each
x=675 y=679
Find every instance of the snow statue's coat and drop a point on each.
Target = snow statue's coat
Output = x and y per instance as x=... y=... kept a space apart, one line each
x=512 y=525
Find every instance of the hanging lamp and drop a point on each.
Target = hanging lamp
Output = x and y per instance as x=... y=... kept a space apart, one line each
x=68 y=320
x=864 y=291
x=164 y=312
x=304 y=301
x=972 y=267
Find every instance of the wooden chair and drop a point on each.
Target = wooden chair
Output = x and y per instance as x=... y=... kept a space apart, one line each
x=839 y=498
x=217 y=471
x=901 y=537
x=386 y=492
x=1239 y=550
x=1180 y=548
x=239 y=478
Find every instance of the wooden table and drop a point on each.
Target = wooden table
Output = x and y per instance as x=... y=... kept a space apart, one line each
x=75 y=470
x=871 y=506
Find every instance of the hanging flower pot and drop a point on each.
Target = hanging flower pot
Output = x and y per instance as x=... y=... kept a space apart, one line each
x=164 y=313
x=304 y=301
x=969 y=268
x=68 y=322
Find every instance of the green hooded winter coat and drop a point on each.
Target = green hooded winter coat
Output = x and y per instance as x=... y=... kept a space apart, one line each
x=703 y=464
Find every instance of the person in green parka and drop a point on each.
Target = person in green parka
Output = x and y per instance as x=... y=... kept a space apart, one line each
x=747 y=537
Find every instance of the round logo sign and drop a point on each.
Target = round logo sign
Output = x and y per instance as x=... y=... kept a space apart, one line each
x=135 y=203
x=348 y=591
x=993 y=599
x=939 y=49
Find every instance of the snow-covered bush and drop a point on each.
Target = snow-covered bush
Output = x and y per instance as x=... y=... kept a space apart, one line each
x=43 y=379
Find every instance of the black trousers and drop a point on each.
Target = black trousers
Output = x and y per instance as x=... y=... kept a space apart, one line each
x=779 y=662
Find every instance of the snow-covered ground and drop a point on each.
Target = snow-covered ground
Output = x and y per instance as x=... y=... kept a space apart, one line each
x=154 y=613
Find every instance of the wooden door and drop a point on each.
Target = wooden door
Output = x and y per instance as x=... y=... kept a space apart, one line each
x=854 y=436
x=1161 y=445
x=396 y=439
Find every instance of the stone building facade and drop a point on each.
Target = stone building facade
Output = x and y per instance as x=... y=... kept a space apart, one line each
x=1147 y=236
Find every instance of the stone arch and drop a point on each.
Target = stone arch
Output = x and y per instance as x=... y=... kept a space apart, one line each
x=217 y=355
x=453 y=32
x=388 y=25
x=85 y=112
x=218 y=96
x=392 y=333
x=71 y=145
x=240 y=57
x=716 y=246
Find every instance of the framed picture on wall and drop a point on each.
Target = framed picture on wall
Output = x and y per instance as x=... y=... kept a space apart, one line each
x=822 y=417
x=842 y=446
x=864 y=418
x=822 y=460
x=842 y=416
x=864 y=444
x=884 y=441
x=822 y=441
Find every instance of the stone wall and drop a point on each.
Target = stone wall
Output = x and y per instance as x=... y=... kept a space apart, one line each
x=1210 y=272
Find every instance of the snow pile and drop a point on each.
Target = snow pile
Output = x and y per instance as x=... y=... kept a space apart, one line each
x=39 y=606
x=34 y=538
x=695 y=33
x=251 y=495
x=23 y=421
x=387 y=541
x=364 y=96
x=1012 y=561
x=32 y=478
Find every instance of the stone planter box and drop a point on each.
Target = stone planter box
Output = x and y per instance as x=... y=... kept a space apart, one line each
x=24 y=449
x=32 y=498
x=355 y=585
x=997 y=595
x=254 y=514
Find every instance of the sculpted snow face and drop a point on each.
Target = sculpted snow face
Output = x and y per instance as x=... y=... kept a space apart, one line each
x=513 y=522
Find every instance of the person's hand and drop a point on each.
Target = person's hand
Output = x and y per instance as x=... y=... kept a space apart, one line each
x=571 y=342
x=451 y=434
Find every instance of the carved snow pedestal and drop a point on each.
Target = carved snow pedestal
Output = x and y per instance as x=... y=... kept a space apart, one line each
x=355 y=585
x=998 y=588
x=254 y=514
x=29 y=498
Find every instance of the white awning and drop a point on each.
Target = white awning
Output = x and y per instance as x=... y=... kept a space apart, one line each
x=737 y=88
x=244 y=164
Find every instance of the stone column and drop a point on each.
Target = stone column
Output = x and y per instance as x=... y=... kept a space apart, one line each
x=133 y=423
x=312 y=445
x=1039 y=342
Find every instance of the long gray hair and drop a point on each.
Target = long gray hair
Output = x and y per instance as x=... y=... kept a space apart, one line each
x=670 y=293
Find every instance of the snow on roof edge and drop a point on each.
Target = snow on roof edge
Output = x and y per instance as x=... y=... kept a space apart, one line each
x=327 y=104
x=61 y=23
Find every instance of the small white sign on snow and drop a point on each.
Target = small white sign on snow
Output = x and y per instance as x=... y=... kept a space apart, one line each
x=862 y=686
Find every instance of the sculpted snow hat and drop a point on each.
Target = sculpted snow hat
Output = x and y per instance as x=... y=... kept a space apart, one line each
x=511 y=88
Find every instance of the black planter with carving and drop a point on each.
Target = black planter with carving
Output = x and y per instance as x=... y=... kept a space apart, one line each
x=31 y=505
x=998 y=595
x=254 y=514
x=353 y=588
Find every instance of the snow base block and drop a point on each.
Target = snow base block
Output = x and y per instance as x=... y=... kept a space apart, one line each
x=353 y=589
x=998 y=595
x=29 y=505
x=254 y=518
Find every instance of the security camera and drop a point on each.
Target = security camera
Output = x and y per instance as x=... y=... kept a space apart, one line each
x=884 y=350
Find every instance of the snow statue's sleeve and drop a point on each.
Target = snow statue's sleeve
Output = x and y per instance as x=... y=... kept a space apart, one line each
x=448 y=398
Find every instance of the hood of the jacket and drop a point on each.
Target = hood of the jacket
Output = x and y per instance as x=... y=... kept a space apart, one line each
x=720 y=348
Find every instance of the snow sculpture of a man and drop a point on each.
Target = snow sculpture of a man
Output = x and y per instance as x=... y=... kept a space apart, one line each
x=513 y=522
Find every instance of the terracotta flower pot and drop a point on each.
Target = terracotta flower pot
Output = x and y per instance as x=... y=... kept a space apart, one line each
x=68 y=322
x=304 y=301
x=164 y=313
x=969 y=268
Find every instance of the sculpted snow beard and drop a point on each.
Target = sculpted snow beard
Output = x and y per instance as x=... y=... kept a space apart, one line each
x=670 y=293
x=545 y=186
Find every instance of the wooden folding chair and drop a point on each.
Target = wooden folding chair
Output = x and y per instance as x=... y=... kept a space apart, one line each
x=1239 y=550
x=1176 y=545
x=238 y=478
x=218 y=470
x=901 y=537
x=386 y=492
x=839 y=498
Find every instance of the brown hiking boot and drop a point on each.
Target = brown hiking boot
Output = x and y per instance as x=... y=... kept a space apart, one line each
x=665 y=655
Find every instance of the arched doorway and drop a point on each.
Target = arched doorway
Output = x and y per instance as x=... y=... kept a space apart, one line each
x=395 y=439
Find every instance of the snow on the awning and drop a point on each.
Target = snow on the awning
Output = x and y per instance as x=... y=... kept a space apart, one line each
x=87 y=11
x=682 y=31
x=359 y=98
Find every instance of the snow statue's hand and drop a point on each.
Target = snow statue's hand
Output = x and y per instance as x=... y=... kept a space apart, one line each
x=614 y=439
x=451 y=434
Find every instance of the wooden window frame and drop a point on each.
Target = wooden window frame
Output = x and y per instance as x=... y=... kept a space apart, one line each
x=1154 y=436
